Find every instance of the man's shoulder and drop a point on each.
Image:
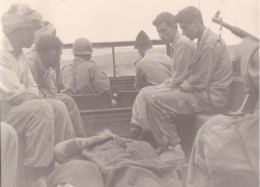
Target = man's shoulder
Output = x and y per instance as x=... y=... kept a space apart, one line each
x=184 y=41
x=212 y=39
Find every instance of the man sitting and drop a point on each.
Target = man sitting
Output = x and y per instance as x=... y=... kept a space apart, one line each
x=154 y=67
x=82 y=76
x=209 y=73
x=182 y=52
x=42 y=59
x=42 y=123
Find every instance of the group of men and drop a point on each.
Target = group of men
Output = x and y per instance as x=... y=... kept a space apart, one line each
x=195 y=73
x=198 y=83
x=33 y=111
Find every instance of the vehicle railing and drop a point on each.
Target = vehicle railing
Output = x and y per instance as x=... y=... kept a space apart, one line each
x=113 y=45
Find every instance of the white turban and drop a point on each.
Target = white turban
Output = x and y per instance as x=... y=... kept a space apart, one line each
x=47 y=29
x=20 y=16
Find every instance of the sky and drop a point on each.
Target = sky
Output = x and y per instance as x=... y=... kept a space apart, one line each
x=121 y=20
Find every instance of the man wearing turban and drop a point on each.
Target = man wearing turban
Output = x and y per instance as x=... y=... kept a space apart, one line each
x=42 y=123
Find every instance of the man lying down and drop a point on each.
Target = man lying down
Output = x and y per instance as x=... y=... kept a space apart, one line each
x=107 y=160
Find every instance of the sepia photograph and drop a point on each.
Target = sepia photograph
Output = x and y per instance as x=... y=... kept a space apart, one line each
x=129 y=93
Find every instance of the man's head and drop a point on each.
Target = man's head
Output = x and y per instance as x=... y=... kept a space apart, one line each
x=143 y=43
x=20 y=23
x=49 y=49
x=191 y=22
x=46 y=29
x=166 y=26
x=82 y=47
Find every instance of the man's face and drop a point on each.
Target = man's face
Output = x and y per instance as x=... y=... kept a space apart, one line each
x=189 y=30
x=166 y=32
x=52 y=58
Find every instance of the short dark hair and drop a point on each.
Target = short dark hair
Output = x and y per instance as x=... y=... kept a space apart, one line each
x=46 y=43
x=188 y=15
x=165 y=17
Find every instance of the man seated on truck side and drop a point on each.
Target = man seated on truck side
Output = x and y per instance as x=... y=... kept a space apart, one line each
x=182 y=52
x=43 y=57
x=209 y=74
x=41 y=122
x=153 y=68
x=82 y=76
x=226 y=148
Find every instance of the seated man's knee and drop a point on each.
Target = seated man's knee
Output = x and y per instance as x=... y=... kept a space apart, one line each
x=41 y=107
x=58 y=106
x=68 y=100
x=151 y=101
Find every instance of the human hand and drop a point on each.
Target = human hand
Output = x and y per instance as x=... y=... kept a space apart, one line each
x=109 y=134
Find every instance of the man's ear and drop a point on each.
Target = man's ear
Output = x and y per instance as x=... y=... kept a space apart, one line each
x=197 y=22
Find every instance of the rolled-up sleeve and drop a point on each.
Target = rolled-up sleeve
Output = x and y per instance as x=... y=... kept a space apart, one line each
x=11 y=85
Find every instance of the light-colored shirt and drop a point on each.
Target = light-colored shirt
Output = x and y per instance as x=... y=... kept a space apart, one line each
x=152 y=69
x=83 y=77
x=183 y=51
x=16 y=77
x=210 y=71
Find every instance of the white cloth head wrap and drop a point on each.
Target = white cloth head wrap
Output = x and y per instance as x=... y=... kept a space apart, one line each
x=47 y=29
x=20 y=16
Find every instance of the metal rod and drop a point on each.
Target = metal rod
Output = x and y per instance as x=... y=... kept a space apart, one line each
x=114 y=61
x=115 y=44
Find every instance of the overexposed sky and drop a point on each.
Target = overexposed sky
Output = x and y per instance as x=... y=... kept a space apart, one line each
x=120 y=20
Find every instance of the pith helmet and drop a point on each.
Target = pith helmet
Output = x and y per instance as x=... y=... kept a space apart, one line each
x=82 y=46
x=142 y=40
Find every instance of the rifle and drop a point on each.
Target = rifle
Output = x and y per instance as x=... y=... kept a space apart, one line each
x=251 y=99
x=235 y=30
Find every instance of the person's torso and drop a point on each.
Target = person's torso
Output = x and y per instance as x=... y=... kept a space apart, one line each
x=156 y=67
x=217 y=78
x=77 y=77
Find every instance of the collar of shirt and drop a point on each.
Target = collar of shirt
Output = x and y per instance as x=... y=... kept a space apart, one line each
x=176 y=38
x=10 y=47
x=78 y=60
x=149 y=51
x=202 y=37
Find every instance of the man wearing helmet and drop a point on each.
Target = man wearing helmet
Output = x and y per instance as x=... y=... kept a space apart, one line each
x=82 y=76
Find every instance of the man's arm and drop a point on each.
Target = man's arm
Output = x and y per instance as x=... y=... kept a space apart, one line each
x=203 y=68
x=183 y=57
x=139 y=78
x=22 y=98
x=65 y=150
x=100 y=81
x=17 y=91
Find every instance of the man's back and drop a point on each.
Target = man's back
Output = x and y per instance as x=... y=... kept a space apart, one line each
x=152 y=69
x=83 y=77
